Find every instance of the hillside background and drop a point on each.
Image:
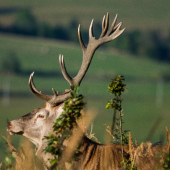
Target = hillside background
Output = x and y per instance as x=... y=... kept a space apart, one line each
x=34 y=33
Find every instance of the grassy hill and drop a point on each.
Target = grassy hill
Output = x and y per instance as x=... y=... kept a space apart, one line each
x=140 y=108
x=134 y=14
x=145 y=103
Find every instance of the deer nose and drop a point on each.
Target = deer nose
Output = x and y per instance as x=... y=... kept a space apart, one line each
x=9 y=126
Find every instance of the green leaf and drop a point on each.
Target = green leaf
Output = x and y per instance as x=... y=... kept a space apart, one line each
x=108 y=105
x=58 y=120
x=53 y=161
x=72 y=87
x=76 y=89
x=165 y=166
x=73 y=94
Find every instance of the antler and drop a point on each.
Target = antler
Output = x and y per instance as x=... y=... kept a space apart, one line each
x=54 y=99
x=93 y=44
x=106 y=36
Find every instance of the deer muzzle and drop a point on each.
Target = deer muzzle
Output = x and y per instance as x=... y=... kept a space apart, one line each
x=14 y=129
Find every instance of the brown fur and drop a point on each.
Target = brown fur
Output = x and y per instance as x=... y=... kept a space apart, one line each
x=94 y=156
x=100 y=157
x=150 y=158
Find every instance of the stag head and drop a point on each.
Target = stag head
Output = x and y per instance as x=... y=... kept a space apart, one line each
x=38 y=123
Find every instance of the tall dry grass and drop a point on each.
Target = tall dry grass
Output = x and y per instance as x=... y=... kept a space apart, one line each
x=82 y=129
x=143 y=156
x=21 y=158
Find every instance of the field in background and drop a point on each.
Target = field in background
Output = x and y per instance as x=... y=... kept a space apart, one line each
x=143 y=79
x=134 y=14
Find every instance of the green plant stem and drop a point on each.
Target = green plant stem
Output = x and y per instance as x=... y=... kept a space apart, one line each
x=114 y=119
x=120 y=119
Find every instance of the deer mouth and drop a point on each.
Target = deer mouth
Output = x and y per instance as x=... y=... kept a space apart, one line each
x=15 y=133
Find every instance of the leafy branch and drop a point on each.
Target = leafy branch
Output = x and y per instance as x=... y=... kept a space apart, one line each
x=63 y=126
x=116 y=87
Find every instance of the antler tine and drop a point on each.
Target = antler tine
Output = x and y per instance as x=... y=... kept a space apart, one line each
x=93 y=44
x=105 y=25
x=64 y=71
x=34 y=90
x=112 y=28
x=112 y=33
x=80 y=39
x=31 y=84
x=91 y=30
x=55 y=93
x=117 y=31
x=52 y=99
x=103 y=22
x=88 y=52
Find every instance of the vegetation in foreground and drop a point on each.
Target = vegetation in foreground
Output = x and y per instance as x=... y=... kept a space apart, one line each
x=143 y=77
x=63 y=131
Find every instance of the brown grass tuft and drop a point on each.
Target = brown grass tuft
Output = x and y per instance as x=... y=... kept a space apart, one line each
x=136 y=142
x=131 y=149
x=85 y=121
x=76 y=137
x=144 y=150
x=24 y=156
x=168 y=139
x=108 y=129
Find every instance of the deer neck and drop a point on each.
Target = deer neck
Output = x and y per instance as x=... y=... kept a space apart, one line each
x=45 y=157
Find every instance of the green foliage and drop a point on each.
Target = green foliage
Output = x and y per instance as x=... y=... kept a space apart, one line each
x=158 y=47
x=96 y=96
x=150 y=43
x=10 y=63
x=116 y=86
x=128 y=164
x=45 y=30
x=63 y=126
x=8 y=163
x=114 y=104
x=25 y=23
x=166 y=164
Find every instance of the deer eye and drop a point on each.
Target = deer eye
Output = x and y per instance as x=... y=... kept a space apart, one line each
x=40 y=116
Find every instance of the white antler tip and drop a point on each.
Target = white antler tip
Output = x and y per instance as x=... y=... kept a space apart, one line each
x=62 y=58
x=31 y=77
x=32 y=74
x=118 y=26
x=79 y=27
x=123 y=29
x=90 y=28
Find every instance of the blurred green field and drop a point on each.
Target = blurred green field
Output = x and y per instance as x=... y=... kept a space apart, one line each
x=146 y=14
x=143 y=116
x=139 y=101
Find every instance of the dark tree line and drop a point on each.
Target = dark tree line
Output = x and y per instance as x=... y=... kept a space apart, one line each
x=136 y=42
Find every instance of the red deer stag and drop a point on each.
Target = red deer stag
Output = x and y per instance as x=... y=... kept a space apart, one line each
x=39 y=123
